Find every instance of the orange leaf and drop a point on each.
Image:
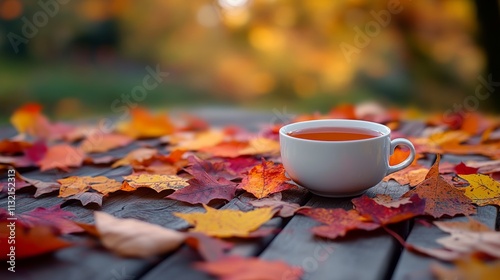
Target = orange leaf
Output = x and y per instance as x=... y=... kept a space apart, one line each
x=76 y=185
x=201 y=140
x=61 y=156
x=156 y=182
x=104 y=143
x=238 y=268
x=145 y=125
x=261 y=146
x=138 y=155
x=161 y=164
x=266 y=178
x=409 y=176
x=25 y=117
x=30 y=242
x=230 y=149
x=441 y=198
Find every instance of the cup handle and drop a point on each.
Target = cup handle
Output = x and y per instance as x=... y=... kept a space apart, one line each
x=404 y=142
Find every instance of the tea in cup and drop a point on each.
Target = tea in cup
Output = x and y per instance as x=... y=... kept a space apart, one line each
x=339 y=158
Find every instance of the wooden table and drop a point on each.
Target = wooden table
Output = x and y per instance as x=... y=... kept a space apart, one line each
x=363 y=255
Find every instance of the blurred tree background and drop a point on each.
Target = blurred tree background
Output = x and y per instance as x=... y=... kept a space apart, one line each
x=78 y=57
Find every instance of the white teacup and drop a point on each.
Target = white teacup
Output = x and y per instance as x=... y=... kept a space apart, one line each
x=340 y=168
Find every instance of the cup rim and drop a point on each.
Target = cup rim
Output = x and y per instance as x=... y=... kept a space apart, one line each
x=385 y=133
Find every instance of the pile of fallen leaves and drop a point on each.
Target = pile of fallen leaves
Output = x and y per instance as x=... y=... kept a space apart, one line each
x=200 y=164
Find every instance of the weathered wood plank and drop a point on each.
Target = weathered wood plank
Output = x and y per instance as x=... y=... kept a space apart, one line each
x=414 y=266
x=362 y=255
x=179 y=265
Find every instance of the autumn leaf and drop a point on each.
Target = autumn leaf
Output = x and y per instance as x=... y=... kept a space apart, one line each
x=466 y=238
x=138 y=155
x=485 y=167
x=227 y=222
x=214 y=169
x=338 y=221
x=156 y=182
x=161 y=164
x=53 y=217
x=104 y=143
x=387 y=201
x=229 y=149
x=87 y=198
x=145 y=125
x=238 y=268
x=210 y=249
x=24 y=117
x=411 y=176
x=491 y=150
x=41 y=186
x=286 y=209
x=61 y=156
x=441 y=198
x=261 y=146
x=462 y=169
x=460 y=227
x=204 y=188
x=466 y=269
x=12 y=147
x=265 y=179
x=134 y=238
x=201 y=140
x=383 y=215
x=30 y=242
x=79 y=184
x=399 y=156
x=29 y=120
x=241 y=164
x=483 y=189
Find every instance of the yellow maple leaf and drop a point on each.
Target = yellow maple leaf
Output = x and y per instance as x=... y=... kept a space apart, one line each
x=155 y=182
x=483 y=189
x=227 y=222
x=76 y=184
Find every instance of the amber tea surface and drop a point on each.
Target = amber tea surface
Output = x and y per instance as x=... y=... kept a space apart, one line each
x=334 y=134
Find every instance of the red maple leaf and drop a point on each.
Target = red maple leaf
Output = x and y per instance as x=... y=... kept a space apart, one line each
x=204 y=188
x=462 y=169
x=383 y=215
x=338 y=221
